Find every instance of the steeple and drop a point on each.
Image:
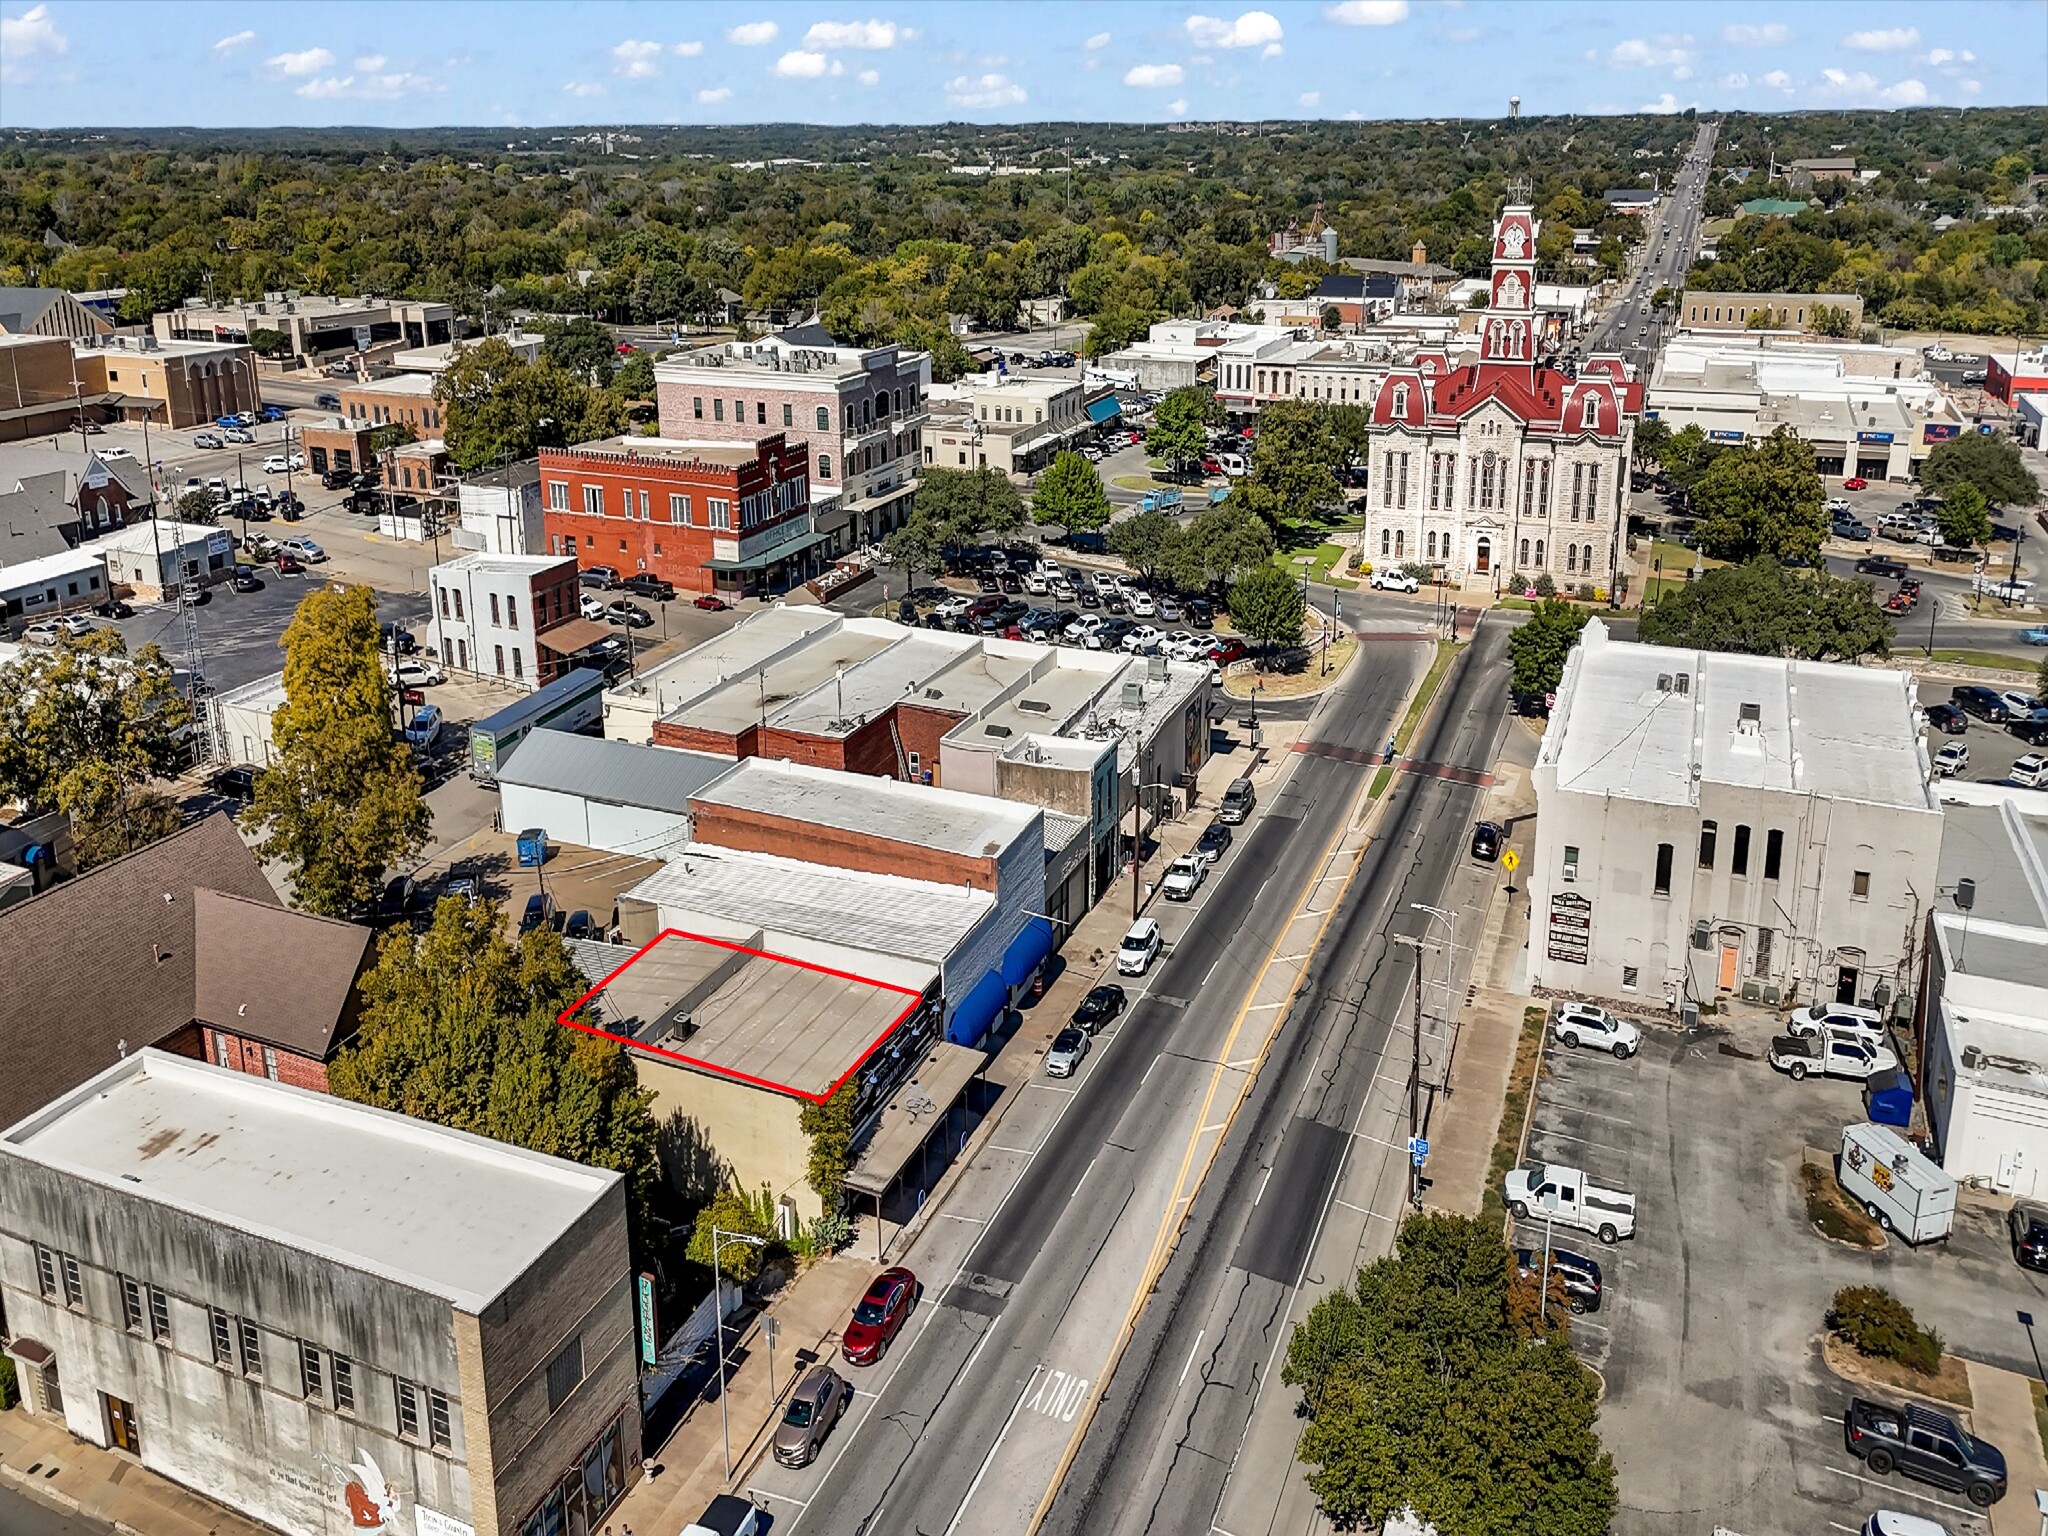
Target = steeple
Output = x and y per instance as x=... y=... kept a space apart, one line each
x=1509 y=335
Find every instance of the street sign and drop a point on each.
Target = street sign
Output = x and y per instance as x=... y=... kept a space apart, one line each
x=769 y=1327
x=1418 y=1149
x=1511 y=861
x=645 y=1286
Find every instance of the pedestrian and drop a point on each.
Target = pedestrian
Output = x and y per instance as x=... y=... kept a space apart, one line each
x=1390 y=749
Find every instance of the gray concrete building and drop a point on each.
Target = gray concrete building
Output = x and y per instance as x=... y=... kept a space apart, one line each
x=1713 y=825
x=329 y=1317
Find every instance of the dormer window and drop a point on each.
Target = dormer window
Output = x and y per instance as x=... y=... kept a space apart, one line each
x=1400 y=399
x=1592 y=412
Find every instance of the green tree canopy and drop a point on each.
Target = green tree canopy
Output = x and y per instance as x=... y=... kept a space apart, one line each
x=830 y=1128
x=1220 y=544
x=960 y=505
x=582 y=348
x=1685 y=455
x=1424 y=1393
x=1963 y=516
x=1268 y=607
x=1144 y=541
x=1762 y=499
x=1294 y=462
x=1176 y=434
x=1538 y=649
x=498 y=407
x=1070 y=496
x=459 y=1027
x=342 y=802
x=1990 y=463
x=915 y=547
x=1764 y=609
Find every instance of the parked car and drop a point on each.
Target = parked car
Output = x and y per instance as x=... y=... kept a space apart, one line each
x=2029 y=772
x=1836 y=1053
x=236 y=783
x=1239 y=799
x=580 y=926
x=1215 y=839
x=1394 y=581
x=727 y=1515
x=1952 y=759
x=1976 y=699
x=1577 y=1024
x=400 y=899
x=276 y=464
x=1099 y=1008
x=415 y=673
x=395 y=639
x=813 y=1408
x=304 y=549
x=2019 y=706
x=1184 y=876
x=1947 y=719
x=289 y=564
x=1140 y=946
x=425 y=727
x=539 y=913
x=1579 y=1276
x=1926 y=1445
x=1855 y=483
x=328 y=401
x=113 y=455
x=208 y=440
x=239 y=436
x=195 y=593
x=1065 y=1053
x=1487 y=838
x=243 y=578
x=632 y=615
x=590 y=607
x=1812 y=1018
x=602 y=577
x=1880 y=565
x=2027 y=1225
x=641 y=584
x=1563 y=1195
x=878 y=1316
x=114 y=608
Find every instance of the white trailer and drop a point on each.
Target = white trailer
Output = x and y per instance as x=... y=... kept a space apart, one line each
x=1899 y=1189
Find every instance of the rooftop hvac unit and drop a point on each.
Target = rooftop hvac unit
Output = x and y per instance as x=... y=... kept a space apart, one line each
x=1134 y=695
x=1035 y=706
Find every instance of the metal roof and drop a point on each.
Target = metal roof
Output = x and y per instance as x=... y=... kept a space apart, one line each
x=950 y=820
x=613 y=772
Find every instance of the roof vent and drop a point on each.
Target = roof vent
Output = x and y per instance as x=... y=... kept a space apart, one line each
x=1034 y=706
x=1682 y=683
x=1663 y=682
x=997 y=730
x=1749 y=720
x=1134 y=695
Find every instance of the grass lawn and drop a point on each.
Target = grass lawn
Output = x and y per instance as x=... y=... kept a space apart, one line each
x=1135 y=482
x=1507 y=1141
x=1446 y=653
x=1323 y=558
x=1987 y=659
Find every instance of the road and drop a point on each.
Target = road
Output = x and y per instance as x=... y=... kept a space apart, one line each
x=1632 y=327
x=21 y=1515
x=1190 y=1434
x=1032 y=1267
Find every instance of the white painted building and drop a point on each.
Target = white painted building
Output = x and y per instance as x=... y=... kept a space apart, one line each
x=157 y=553
x=501 y=513
x=1984 y=1072
x=244 y=716
x=488 y=611
x=1716 y=825
x=60 y=583
x=615 y=795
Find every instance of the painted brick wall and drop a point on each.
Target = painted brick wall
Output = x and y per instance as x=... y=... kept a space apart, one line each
x=668 y=734
x=921 y=729
x=246 y=1055
x=732 y=827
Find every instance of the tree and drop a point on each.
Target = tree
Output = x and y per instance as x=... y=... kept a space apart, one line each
x=84 y=728
x=1070 y=496
x=1963 y=517
x=1295 y=462
x=1686 y=455
x=634 y=379
x=733 y=1214
x=1651 y=439
x=1991 y=464
x=1176 y=433
x=458 y=1026
x=830 y=1128
x=1663 y=297
x=1222 y=543
x=1762 y=499
x=1351 y=430
x=963 y=504
x=342 y=802
x=1144 y=542
x=498 y=407
x=265 y=342
x=1832 y=320
x=1764 y=609
x=1538 y=649
x=914 y=547
x=1268 y=607
x=1426 y=1390
x=582 y=348
x=196 y=507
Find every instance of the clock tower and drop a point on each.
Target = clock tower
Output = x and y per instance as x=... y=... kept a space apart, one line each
x=1509 y=332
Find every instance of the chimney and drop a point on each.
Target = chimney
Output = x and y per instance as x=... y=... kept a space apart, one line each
x=1420 y=254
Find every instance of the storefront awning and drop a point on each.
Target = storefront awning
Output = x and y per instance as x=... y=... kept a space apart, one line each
x=767 y=557
x=977 y=1010
x=1105 y=409
x=571 y=637
x=912 y=1113
x=1027 y=951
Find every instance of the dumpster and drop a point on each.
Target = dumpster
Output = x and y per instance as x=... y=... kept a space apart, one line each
x=533 y=848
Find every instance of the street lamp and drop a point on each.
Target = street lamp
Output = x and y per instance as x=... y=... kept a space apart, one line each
x=720 y=1240
x=1138 y=836
x=1450 y=920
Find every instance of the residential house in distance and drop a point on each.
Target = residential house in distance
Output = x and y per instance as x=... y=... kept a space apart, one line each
x=491 y=612
x=859 y=410
x=155 y=555
x=48 y=312
x=1719 y=825
x=317 y=1313
x=704 y=514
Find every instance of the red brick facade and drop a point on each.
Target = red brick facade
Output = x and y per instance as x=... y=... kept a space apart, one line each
x=663 y=509
x=241 y=1054
x=731 y=827
x=881 y=747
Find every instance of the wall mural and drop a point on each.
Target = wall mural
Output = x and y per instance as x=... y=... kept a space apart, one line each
x=371 y=1503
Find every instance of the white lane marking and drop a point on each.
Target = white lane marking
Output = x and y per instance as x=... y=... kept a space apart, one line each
x=1148 y=1072
x=979 y=1221
x=987 y=1460
x=1262 y=1187
x=1020 y=1151
x=780 y=1498
x=1048 y=1087
x=1059 y=1396
x=1191 y=1355
x=1900 y=1489
x=1084 y=1175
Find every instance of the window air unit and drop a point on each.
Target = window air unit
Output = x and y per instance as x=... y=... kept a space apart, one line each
x=1571 y=874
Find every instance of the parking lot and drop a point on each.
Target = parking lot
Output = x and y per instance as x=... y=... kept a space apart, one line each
x=1718 y=1406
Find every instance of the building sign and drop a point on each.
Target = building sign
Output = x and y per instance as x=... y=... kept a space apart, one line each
x=645 y=1285
x=431 y=1522
x=1725 y=437
x=1873 y=437
x=1570 y=929
x=362 y=338
x=1939 y=431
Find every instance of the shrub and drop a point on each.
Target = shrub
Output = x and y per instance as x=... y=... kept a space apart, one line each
x=8 y=1395
x=1545 y=587
x=1876 y=1323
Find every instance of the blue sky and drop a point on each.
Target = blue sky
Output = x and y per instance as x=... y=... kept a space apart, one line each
x=121 y=64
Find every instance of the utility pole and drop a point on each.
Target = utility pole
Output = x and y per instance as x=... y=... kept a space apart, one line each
x=1415 y=1068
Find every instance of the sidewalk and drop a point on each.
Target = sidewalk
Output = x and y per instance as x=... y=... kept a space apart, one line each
x=2003 y=1413
x=42 y=1459
x=688 y=1471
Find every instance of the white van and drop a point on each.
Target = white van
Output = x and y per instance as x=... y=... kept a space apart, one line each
x=1232 y=463
x=1899 y=1189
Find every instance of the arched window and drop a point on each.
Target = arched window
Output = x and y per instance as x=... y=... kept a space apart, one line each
x=1400 y=399
x=1571 y=557
x=1586 y=560
x=1592 y=412
x=1400 y=543
x=1431 y=545
x=824 y=419
x=1386 y=540
x=1525 y=553
x=1539 y=552
x=824 y=466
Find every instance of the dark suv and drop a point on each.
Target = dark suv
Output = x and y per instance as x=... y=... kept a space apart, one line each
x=1927 y=1445
x=1577 y=1275
x=2029 y=1232
x=1976 y=699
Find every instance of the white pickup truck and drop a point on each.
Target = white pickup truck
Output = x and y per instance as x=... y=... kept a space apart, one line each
x=1546 y=1191
x=1831 y=1053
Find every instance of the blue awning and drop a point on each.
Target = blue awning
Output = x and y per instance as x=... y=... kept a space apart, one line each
x=979 y=1009
x=1105 y=409
x=1027 y=952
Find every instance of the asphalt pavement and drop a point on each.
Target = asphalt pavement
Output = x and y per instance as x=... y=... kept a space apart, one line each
x=21 y=1515
x=967 y=1425
x=1666 y=258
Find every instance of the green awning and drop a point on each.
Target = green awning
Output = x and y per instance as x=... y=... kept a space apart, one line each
x=1105 y=409
x=767 y=557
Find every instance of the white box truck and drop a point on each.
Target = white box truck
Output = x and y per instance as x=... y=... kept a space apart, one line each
x=1899 y=1189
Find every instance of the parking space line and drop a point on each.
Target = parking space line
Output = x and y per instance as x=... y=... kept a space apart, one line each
x=780 y=1498
x=1049 y=1088
x=979 y=1221
x=1900 y=1488
x=1594 y=1114
x=1584 y=1141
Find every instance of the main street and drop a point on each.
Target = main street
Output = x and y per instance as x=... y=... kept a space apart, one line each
x=1034 y=1266
x=1632 y=327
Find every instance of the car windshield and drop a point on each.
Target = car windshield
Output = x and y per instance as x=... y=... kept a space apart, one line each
x=1069 y=1040
x=1134 y=942
x=799 y=1413
x=870 y=1311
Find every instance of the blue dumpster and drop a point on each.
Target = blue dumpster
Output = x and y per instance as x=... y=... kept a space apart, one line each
x=1888 y=1097
x=533 y=848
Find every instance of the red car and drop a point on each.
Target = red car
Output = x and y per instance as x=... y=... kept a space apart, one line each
x=625 y=347
x=879 y=1316
x=1212 y=467
x=288 y=565
x=1857 y=484
x=711 y=602
x=1224 y=652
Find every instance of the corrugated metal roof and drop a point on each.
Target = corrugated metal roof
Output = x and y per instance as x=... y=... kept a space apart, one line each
x=614 y=772
x=1061 y=830
x=972 y=826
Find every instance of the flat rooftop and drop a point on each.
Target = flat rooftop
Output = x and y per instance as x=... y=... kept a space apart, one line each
x=1622 y=728
x=759 y=692
x=417 y=385
x=846 y=699
x=972 y=826
x=736 y=1010
x=441 y=1211
x=611 y=772
x=739 y=652
x=518 y=567
x=259 y=693
x=679 y=450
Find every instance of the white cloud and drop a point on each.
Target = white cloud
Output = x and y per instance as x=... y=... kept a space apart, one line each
x=753 y=34
x=1368 y=13
x=983 y=92
x=1969 y=87
x=711 y=96
x=637 y=60
x=858 y=34
x=1665 y=104
x=869 y=77
x=687 y=50
x=311 y=62
x=1151 y=75
x=1937 y=57
x=1099 y=41
x=1884 y=40
x=1777 y=80
x=1271 y=51
x=1310 y=100
x=369 y=87
x=1666 y=51
x=370 y=63
x=233 y=41
x=1770 y=35
x=800 y=64
x=1254 y=29
x=1907 y=93
x=1861 y=83
x=1177 y=108
x=24 y=38
x=1735 y=82
x=585 y=88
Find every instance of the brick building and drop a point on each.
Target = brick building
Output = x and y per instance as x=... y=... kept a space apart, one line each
x=38 y=395
x=337 y=443
x=169 y=383
x=407 y=398
x=707 y=516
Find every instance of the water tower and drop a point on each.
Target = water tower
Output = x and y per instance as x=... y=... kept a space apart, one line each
x=1514 y=107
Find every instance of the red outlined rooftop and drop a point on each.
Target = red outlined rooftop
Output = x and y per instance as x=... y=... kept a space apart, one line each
x=731 y=1008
